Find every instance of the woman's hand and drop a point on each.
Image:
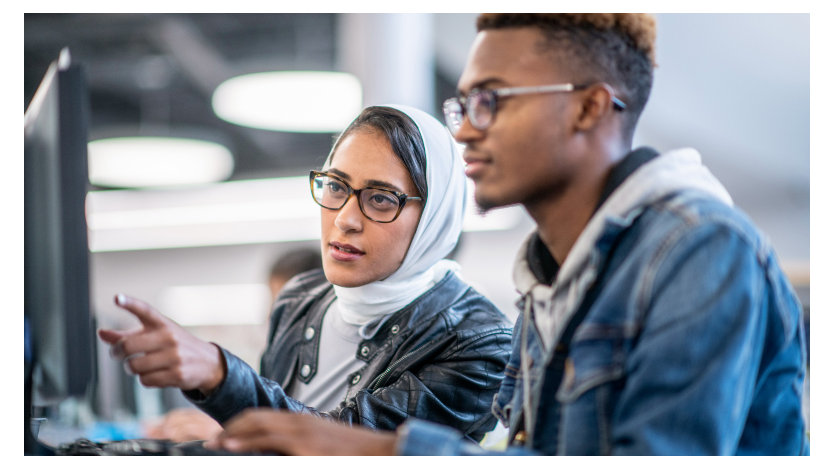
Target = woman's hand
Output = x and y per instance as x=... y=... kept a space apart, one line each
x=185 y=424
x=267 y=430
x=162 y=353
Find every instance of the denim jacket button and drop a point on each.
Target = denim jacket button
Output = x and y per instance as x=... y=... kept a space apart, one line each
x=395 y=329
x=520 y=437
x=355 y=379
x=305 y=370
x=364 y=351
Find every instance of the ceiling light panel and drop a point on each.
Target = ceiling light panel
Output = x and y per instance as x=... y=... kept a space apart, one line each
x=141 y=162
x=293 y=101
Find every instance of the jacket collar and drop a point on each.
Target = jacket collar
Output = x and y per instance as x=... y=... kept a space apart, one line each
x=639 y=179
x=534 y=261
x=440 y=296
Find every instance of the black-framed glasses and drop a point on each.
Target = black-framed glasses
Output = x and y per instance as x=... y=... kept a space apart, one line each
x=377 y=204
x=480 y=104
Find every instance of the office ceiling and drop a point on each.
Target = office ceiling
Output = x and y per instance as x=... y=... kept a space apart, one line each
x=726 y=84
x=153 y=74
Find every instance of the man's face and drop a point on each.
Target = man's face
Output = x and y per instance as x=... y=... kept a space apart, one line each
x=522 y=157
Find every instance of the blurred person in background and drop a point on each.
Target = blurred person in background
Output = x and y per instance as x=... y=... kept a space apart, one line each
x=189 y=423
x=655 y=316
x=387 y=330
x=288 y=265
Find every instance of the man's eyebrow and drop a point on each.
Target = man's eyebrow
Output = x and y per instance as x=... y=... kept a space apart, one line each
x=482 y=84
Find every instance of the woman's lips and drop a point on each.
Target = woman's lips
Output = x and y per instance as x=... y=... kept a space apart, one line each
x=345 y=252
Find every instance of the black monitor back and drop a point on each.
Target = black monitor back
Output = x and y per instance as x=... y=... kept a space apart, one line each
x=60 y=348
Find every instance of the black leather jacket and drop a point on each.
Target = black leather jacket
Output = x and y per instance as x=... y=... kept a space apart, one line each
x=440 y=358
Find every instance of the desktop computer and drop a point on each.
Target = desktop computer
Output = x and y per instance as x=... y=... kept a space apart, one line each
x=59 y=328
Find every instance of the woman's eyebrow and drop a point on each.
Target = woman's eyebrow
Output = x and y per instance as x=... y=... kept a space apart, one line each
x=384 y=184
x=339 y=173
x=371 y=182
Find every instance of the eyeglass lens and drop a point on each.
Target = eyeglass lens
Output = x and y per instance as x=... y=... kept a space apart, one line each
x=478 y=107
x=453 y=111
x=377 y=204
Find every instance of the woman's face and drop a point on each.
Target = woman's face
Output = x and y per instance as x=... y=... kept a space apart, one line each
x=357 y=250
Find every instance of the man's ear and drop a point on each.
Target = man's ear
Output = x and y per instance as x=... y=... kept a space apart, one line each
x=595 y=105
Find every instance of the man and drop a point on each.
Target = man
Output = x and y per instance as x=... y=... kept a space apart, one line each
x=655 y=319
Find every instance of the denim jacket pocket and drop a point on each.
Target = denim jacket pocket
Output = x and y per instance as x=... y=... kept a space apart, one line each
x=591 y=363
x=589 y=389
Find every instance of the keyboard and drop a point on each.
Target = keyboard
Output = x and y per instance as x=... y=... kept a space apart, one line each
x=139 y=447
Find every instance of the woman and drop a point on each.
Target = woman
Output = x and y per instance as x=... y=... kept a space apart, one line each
x=387 y=330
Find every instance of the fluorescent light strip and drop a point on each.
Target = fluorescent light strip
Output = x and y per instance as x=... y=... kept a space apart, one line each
x=200 y=215
x=225 y=304
x=231 y=213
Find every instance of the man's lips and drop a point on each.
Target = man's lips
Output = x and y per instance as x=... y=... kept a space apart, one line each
x=474 y=164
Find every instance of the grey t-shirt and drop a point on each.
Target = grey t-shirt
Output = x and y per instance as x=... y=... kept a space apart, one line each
x=337 y=364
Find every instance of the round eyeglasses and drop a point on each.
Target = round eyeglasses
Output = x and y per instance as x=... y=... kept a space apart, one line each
x=377 y=204
x=479 y=105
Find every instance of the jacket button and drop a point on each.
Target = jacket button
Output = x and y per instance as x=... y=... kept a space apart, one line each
x=355 y=379
x=305 y=370
x=309 y=333
x=520 y=437
x=364 y=351
x=395 y=329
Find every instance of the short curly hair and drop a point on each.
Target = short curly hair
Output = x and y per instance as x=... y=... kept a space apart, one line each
x=617 y=48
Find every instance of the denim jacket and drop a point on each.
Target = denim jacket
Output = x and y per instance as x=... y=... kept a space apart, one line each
x=670 y=329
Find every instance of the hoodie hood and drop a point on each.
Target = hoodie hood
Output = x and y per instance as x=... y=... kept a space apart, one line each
x=670 y=173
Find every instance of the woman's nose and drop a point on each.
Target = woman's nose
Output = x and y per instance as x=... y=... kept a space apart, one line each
x=350 y=218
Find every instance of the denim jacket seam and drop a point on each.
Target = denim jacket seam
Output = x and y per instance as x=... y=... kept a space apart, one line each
x=648 y=278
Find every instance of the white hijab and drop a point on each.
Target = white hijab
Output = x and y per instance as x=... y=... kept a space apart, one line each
x=436 y=235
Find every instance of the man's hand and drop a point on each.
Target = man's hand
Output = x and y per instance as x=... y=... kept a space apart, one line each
x=162 y=353
x=267 y=430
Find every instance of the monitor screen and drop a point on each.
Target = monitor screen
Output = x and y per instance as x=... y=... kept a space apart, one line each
x=60 y=360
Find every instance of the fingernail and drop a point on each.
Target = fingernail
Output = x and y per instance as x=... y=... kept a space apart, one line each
x=116 y=351
x=120 y=299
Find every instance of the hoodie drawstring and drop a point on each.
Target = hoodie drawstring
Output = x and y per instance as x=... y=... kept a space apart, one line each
x=527 y=404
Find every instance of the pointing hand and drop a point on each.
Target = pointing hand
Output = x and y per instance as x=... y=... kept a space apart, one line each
x=162 y=353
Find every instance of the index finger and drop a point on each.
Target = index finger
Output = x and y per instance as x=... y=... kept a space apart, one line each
x=141 y=310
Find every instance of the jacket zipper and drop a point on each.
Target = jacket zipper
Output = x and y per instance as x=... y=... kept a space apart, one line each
x=390 y=368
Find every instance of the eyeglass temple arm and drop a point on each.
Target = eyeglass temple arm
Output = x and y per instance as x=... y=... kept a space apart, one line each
x=618 y=103
x=535 y=89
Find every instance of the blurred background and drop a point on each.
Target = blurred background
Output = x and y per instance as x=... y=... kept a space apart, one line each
x=203 y=130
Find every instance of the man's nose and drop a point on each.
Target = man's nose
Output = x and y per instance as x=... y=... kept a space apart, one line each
x=467 y=132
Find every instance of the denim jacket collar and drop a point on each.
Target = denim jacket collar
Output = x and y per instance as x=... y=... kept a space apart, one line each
x=655 y=179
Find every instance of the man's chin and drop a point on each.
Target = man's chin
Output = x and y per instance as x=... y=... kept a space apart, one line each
x=486 y=204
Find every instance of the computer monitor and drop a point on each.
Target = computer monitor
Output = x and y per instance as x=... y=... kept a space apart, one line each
x=60 y=357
